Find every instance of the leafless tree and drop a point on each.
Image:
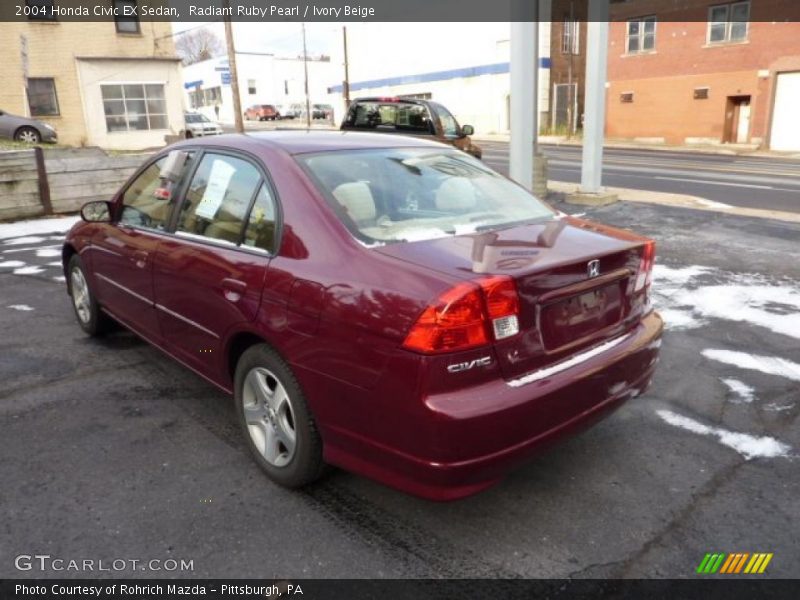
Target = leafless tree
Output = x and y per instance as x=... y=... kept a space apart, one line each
x=198 y=45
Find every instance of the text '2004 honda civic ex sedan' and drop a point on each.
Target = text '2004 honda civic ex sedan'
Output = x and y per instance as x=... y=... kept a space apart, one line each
x=385 y=304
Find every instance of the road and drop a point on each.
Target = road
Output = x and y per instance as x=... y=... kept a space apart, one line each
x=110 y=450
x=745 y=181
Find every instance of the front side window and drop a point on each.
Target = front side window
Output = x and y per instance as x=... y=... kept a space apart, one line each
x=125 y=17
x=141 y=204
x=728 y=22
x=134 y=106
x=410 y=194
x=219 y=198
x=641 y=36
x=42 y=97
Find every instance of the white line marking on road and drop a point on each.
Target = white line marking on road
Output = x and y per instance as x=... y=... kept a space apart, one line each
x=707 y=182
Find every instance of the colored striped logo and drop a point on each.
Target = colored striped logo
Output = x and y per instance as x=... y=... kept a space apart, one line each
x=737 y=562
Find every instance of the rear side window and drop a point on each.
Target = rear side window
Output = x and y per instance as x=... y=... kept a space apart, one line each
x=260 y=232
x=218 y=198
x=412 y=118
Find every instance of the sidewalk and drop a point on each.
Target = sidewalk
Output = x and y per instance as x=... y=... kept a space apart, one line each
x=557 y=190
x=723 y=149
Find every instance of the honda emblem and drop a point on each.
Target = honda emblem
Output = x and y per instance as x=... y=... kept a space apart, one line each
x=593 y=268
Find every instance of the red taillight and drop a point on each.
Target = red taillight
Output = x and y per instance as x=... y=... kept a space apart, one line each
x=645 y=275
x=462 y=317
x=501 y=296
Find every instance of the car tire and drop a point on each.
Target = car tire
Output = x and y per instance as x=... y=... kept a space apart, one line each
x=277 y=424
x=189 y=135
x=28 y=135
x=90 y=318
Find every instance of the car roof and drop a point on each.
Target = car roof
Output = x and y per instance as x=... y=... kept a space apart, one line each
x=305 y=141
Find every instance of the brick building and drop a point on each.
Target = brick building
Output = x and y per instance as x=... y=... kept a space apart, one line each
x=113 y=84
x=705 y=72
x=567 y=64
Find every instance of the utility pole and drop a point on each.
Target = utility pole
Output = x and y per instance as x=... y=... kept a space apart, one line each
x=595 y=101
x=346 y=86
x=524 y=99
x=305 y=70
x=237 y=102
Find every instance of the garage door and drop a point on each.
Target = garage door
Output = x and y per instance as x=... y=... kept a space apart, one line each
x=786 y=116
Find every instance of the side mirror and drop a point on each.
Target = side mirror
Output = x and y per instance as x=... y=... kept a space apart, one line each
x=467 y=130
x=98 y=211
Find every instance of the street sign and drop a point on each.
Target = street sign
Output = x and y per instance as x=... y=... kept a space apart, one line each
x=223 y=69
x=226 y=78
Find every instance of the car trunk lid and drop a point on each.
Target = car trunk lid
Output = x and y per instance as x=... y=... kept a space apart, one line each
x=575 y=280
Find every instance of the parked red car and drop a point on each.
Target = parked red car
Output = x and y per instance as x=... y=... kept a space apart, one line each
x=385 y=304
x=261 y=112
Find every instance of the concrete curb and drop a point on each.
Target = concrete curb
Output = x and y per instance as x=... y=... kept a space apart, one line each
x=682 y=201
x=724 y=151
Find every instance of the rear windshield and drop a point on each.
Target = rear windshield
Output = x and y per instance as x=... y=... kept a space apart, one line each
x=390 y=116
x=410 y=194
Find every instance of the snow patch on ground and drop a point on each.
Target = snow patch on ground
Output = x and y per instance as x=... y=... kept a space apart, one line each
x=32 y=270
x=47 y=252
x=775 y=407
x=12 y=263
x=29 y=239
x=56 y=263
x=771 y=365
x=749 y=446
x=741 y=391
x=60 y=279
x=36 y=226
x=22 y=307
x=685 y=302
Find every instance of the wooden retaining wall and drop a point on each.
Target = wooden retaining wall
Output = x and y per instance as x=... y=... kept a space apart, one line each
x=63 y=180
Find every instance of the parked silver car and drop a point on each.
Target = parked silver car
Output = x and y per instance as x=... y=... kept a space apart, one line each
x=25 y=129
x=198 y=125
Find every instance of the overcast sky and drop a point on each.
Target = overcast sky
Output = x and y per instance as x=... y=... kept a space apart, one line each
x=378 y=49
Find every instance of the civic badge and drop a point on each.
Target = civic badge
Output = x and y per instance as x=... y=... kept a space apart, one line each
x=593 y=268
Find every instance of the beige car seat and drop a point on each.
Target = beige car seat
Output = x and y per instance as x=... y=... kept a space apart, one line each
x=357 y=200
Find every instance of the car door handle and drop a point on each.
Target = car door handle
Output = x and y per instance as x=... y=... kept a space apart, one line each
x=233 y=289
x=139 y=258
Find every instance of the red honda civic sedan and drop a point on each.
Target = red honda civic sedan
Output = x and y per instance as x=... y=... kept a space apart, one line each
x=388 y=305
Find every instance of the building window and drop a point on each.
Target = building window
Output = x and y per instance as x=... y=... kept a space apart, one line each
x=701 y=93
x=728 y=22
x=126 y=18
x=206 y=97
x=570 y=40
x=42 y=98
x=40 y=10
x=626 y=97
x=251 y=86
x=641 y=35
x=134 y=106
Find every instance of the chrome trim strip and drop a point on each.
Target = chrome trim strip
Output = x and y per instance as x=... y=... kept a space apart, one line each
x=566 y=364
x=124 y=289
x=185 y=320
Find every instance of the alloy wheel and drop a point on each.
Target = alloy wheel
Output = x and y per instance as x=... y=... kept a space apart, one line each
x=269 y=415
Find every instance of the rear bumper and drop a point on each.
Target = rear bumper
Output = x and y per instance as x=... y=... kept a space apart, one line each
x=481 y=433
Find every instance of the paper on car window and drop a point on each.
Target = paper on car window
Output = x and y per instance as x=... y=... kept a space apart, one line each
x=218 y=180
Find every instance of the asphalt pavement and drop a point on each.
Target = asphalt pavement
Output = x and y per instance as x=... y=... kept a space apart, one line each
x=737 y=180
x=111 y=450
